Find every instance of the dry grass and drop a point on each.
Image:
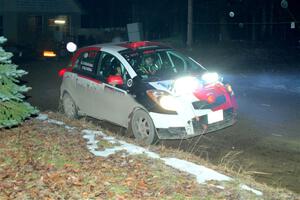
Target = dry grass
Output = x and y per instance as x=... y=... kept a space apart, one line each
x=44 y=161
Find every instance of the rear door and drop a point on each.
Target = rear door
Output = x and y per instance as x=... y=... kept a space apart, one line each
x=86 y=82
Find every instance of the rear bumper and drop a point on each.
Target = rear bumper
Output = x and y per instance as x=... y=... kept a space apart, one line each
x=180 y=129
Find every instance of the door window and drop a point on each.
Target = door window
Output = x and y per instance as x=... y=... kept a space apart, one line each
x=178 y=63
x=109 y=65
x=85 y=63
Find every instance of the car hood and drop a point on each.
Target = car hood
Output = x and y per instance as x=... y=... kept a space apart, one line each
x=201 y=93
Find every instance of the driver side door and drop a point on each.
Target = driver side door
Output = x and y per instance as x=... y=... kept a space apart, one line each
x=114 y=102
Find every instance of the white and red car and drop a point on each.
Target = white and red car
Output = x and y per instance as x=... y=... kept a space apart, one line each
x=178 y=99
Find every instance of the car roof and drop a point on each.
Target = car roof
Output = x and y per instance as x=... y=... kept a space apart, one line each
x=120 y=46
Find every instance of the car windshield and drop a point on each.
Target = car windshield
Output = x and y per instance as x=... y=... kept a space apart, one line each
x=161 y=63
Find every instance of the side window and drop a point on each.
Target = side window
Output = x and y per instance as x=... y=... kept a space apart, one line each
x=110 y=65
x=178 y=62
x=77 y=63
x=164 y=60
x=85 y=63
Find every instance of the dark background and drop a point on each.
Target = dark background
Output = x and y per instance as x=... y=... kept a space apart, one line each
x=256 y=51
x=254 y=20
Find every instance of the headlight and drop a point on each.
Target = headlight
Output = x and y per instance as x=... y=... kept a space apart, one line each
x=168 y=103
x=210 y=77
x=163 y=99
x=186 y=85
x=229 y=89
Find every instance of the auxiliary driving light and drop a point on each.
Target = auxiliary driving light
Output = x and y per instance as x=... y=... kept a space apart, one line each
x=211 y=99
x=210 y=77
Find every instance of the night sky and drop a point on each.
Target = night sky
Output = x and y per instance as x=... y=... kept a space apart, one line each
x=167 y=18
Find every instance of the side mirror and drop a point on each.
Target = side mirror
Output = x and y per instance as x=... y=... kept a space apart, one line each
x=115 y=80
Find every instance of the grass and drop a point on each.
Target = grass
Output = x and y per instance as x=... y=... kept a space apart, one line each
x=40 y=160
x=104 y=144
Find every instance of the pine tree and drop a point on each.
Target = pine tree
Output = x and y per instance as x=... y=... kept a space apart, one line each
x=13 y=109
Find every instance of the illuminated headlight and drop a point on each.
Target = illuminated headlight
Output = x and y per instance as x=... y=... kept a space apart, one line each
x=229 y=89
x=211 y=77
x=168 y=103
x=185 y=85
x=163 y=99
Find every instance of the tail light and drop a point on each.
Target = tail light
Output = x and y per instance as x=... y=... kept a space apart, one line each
x=63 y=71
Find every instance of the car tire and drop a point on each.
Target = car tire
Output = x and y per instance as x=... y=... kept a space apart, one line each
x=142 y=127
x=69 y=106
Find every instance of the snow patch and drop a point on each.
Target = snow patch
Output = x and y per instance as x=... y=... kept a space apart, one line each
x=202 y=173
x=69 y=128
x=220 y=187
x=92 y=132
x=56 y=122
x=42 y=117
x=246 y=187
x=124 y=146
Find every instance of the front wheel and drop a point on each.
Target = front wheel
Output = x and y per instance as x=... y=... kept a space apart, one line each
x=142 y=127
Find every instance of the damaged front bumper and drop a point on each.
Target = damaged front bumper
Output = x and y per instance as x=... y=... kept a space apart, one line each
x=179 y=129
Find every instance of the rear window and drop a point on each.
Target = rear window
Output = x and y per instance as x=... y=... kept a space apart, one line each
x=86 y=62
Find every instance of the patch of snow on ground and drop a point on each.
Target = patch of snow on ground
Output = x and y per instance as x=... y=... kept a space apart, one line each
x=246 y=187
x=53 y=121
x=69 y=128
x=202 y=173
x=91 y=132
x=124 y=146
x=42 y=117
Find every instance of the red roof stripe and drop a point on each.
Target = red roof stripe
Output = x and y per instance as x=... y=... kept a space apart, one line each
x=79 y=51
x=135 y=45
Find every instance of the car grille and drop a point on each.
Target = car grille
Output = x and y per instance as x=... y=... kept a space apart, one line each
x=201 y=125
x=198 y=105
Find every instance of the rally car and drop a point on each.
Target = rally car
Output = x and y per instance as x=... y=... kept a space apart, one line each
x=151 y=89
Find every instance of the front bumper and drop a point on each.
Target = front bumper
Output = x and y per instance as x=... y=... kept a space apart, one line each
x=176 y=128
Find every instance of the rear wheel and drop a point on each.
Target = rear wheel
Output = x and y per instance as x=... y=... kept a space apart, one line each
x=142 y=127
x=69 y=106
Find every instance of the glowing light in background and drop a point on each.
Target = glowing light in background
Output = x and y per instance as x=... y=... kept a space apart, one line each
x=71 y=47
x=49 y=54
x=60 y=21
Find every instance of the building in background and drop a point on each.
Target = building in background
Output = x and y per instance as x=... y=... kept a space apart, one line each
x=39 y=22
